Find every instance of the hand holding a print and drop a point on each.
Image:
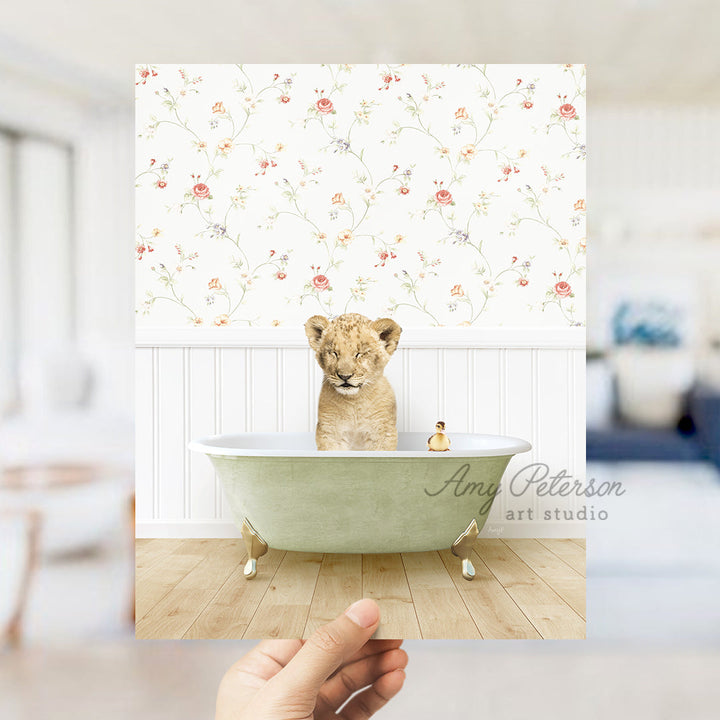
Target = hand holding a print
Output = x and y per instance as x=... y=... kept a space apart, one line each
x=313 y=679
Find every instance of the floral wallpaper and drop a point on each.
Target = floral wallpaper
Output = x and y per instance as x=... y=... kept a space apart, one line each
x=436 y=194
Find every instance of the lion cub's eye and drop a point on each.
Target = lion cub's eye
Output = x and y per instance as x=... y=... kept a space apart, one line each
x=357 y=355
x=334 y=353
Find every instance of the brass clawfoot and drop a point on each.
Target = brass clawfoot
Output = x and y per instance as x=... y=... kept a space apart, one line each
x=463 y=546
x=256 y=547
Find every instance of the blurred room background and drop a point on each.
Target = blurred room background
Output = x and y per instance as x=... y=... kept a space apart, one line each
x=66 y=342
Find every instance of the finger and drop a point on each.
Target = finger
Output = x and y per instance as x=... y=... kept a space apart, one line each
x=327 y=649
x=280 y=651
x=249 y=674
x=369 y=701
x=268 y=657
x=374 y=647
x=358 y=675
x=265 y=660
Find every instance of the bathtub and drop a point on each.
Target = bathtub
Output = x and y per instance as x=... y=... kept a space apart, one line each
x=285 y=494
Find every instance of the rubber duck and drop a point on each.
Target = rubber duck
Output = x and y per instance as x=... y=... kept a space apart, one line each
x=439 y=442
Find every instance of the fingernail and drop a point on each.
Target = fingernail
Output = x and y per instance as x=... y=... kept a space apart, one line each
x=364 y=613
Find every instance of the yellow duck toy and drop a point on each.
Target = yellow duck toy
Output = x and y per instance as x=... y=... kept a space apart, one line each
x=439 y=442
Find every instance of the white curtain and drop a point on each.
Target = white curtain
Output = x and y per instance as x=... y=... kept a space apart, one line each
x=8 y=345
x=37 y=277
x=45 y=270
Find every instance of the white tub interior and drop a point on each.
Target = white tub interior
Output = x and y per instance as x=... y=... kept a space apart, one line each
x=410 y=444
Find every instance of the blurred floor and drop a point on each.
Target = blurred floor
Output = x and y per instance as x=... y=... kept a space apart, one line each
x=178 y=681
x=653 y=565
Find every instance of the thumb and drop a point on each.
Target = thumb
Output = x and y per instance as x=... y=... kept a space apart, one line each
x=327 y=649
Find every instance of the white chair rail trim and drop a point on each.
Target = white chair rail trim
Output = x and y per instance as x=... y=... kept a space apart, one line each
x=440 y=337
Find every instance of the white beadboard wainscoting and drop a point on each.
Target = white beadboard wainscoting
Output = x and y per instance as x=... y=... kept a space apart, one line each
x=526 y=382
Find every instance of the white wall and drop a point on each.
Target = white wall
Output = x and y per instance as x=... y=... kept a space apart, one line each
x=529 y=383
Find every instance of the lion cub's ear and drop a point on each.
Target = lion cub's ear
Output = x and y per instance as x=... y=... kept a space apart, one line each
x=314 y=329
x=389 y=332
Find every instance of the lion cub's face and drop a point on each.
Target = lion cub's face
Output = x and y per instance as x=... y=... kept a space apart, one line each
x=352 y=350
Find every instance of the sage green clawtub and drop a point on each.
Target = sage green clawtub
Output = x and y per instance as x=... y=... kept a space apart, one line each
x=285 y=494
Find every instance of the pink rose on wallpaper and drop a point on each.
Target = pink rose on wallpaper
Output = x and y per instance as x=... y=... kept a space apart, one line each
x=522 y=282
x=457 y=291
x=338 y=199
x=321 y=282
x=443 y=197
x=280 y=275
x=265 y=164
x=218 y=107
x=461 y=114
x=284 y=99
x=527 y=104
x=324 y=106
x=201 y=190
x=222 y=320
x=563 y=289
x=214 y=284
x=403 y=189
x=567 y=111
x=144 y=74
x=384 y=256
x=579 y=205
x=345 y=236
x=161 y=184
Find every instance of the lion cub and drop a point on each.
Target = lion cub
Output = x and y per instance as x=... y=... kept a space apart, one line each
x=357 y=408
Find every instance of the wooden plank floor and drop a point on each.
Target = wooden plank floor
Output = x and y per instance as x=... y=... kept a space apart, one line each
x=522 y=589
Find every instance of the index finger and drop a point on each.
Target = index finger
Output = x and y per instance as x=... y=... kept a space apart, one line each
x=328 y=648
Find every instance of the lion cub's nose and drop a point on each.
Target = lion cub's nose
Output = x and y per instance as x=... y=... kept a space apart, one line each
x=345 y=377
